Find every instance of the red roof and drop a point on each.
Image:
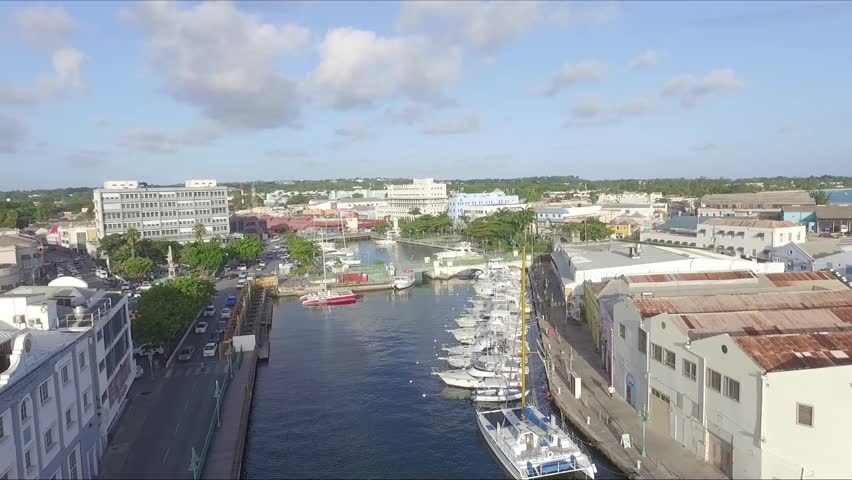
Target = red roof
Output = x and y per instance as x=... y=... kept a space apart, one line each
x=690 y=277
x=799 y=351
x=788 y=279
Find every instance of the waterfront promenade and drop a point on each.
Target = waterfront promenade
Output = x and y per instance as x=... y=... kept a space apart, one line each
x=569 y=351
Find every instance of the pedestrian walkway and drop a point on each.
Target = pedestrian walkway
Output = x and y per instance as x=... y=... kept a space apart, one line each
x=570 y=353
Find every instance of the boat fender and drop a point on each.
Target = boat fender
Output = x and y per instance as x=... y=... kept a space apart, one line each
x=549 y=454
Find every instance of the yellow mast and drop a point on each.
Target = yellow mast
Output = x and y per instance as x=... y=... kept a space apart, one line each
x=523 y=331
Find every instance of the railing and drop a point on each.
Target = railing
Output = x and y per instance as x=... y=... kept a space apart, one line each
x=72 y=320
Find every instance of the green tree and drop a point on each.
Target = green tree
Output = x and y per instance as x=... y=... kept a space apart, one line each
x=10 y=219
x=414 y=211
x=205 y=257
x=357 y=195
x=380 y=229
x=132 y=237
x=136 y=267
x=820 y=197
x=298 y=199
x=302 y=250
x=199 y=230
x=162 y=314
x=590 y=230
x=201 y=291
x=245 y=248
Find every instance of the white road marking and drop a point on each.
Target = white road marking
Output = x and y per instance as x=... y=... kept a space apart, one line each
x=164 y=456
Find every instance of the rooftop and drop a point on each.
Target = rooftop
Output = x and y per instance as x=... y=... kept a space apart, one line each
x=790 y=197
x=18 y=240
x=592 y=256
x=764 y=322
x=777 y=353
x=44 y=344
x=824 y=212
x=753 y=223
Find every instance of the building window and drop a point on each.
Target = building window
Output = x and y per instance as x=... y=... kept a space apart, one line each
x=48 y=440
x=28 y=460
x=657 y=352
x=732 y=389
x=69 y=418
x=65 y=377
x=670 y=359
x=72 y=465
x=689 y=369
x=2 y=427
x=805 y=415
x=25 y=411
x=622 y=330
x=643 y=341
x=44 y=392
x=714 y=380
x=82 y=359
x=86 y=403
x=102 y=366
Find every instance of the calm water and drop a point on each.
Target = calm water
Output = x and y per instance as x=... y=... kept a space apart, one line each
x=840 y=196
x=343 y=395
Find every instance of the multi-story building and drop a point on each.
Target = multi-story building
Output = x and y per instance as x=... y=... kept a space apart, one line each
x=162 y=213
x=816 y=254
x=21 y=260
x=766 y=205
x=67 y=364
x=460 y=201
x=249 y=225
x=753 y=238
x=73 y=236
x=478 y=211
x=423 y=195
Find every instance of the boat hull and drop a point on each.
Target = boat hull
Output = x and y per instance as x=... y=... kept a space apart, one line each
x=341 y=300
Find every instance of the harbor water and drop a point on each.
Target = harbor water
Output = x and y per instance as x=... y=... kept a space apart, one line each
x=348 y=390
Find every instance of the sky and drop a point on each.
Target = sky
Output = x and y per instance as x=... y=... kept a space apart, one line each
x=162 y=92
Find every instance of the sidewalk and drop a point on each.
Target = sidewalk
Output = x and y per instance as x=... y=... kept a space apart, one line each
x=601 y=418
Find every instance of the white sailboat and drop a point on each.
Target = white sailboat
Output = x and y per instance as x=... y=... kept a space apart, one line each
x=326 y=296
x=528 y=444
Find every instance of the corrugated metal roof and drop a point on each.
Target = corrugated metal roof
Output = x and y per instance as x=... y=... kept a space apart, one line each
x=690 y=277
x=765 y=322
x=837 y=212
x=788 y=279
x=649 y=307
x=790 y=197
x=798 y=352
x=754 y=223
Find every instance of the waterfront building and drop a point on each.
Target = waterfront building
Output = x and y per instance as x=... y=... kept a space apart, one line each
x=459 y=202
x=423 y=195
x=815 y=254
x=686 y=349
x=162 y=213
x=765 y=205
x=801 y=214
x=834 y=219
x=752 y=238
x=67 y=364
x=21 y=260
x=629 y=197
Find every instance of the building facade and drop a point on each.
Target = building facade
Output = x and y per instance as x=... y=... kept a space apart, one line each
x=752 y=238
x=249 y=225
x=765 y=205
x=834 y=218
x=460 y=201
x=162 y=213
x=21 y=261
x=423 y=195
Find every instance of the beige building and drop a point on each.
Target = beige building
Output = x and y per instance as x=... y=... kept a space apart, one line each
x=766 y=205
x=21 y=261
x=423 y=194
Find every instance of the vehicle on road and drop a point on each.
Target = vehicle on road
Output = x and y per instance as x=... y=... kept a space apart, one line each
x=200 y=327
x=243 y=275
x=185 y=353
x=261 y=264
x=146 y=348
x=220 y=327
x=60 y=274
x=242 y=267
x=226 y=313
x=209 y=350
x=102 y=274
x=216 y=337
x=125 y=286
x=269 y=256
x=231 y=301
x=145 y=286
x=241 y=283
x=209 y=311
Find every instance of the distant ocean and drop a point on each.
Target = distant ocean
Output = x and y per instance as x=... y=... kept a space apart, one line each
x=840 y=196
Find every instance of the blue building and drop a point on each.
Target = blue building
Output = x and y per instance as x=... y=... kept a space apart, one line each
x=459 y=200
x=801 y=214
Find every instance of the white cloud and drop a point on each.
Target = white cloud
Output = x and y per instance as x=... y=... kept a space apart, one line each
x=165 y=142
x=480 y=25
x=222 y=61
x=68 y=66
x=357 y=68
x=408 y=114
x=692 y=90
x=571 y=75
x=352 y=131
x=43 y=27
x=12 y=134
x=594 y=111
x=467 y=124
x=584 y=14
x=645 y=60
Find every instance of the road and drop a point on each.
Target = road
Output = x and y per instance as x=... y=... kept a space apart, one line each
x=171 y=409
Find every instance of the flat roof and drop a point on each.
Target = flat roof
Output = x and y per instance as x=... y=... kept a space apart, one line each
x=753 y=223
x=763 y=301
x=843 y=212
x=615 y=254
x=690 y=277
x=777 y=353
x=793 y=197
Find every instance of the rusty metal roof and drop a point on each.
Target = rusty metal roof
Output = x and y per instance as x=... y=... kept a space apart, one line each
x=597 y=287
x=798 y=352
x=730 y=222
x=788 y=279
x=690 y=277
x=649 y=307
x=766 y=322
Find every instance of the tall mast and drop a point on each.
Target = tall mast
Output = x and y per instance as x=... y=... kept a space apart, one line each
x=523 y=331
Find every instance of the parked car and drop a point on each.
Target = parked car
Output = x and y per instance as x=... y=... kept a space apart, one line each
x=125 y=286
x=185 y=353
x=262 y=264
x=231 y=301
x=145 y=286
x=226 y=313
x=209 y=311
x=209 y=350
x=243 y=275
x=220 y=327
x=241 y=283
x=200 y=327
x=242 y=267
x=146 y=348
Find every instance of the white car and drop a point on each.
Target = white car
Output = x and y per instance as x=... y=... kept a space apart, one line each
x=262 y=264
x=148 y=348
x=209 y=350
x=243 y=275
x=209 y=311
x=242 y=267
x=241 y=283
x=145 y=286
x=201 y=327
x=226 y=313
x=102 y=274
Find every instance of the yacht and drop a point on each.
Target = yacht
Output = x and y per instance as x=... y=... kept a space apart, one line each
x=463 y=379
x=496 y=395
x=406 y=280
x=329 y=297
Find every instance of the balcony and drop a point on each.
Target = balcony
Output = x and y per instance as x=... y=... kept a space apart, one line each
x=84 y=318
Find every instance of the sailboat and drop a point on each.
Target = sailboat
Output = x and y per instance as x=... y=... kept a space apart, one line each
x=326 y=296
x=529 y=444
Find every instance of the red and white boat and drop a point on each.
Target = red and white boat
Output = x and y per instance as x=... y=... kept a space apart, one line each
x=329 y=297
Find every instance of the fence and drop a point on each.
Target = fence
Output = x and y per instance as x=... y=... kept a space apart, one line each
x=234 y=361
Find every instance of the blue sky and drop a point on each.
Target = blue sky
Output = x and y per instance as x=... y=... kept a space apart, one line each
x=263 y=90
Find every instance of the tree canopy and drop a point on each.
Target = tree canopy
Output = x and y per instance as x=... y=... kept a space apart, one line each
x=427 y=224
x=501 y=226
x=206 y=257
x=305 y=251
x=245 y=248
x=297 y=200
x=167 y=310
x=588 y=230
x=136 y=267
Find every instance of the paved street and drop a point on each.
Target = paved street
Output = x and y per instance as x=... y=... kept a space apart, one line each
x=170 y=409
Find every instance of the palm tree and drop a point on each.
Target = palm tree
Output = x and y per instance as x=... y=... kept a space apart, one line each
x=132 y=238
x=199 y=230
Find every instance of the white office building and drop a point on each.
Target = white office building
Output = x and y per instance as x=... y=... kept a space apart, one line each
x=423 y=195
x=460 y=202
x=753 y=238
x=162 y=213
x=67 y=365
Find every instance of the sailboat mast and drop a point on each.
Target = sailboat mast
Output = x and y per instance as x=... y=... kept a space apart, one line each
x=523 y=331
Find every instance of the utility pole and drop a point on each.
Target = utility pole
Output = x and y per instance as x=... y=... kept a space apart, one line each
x=644 y=415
